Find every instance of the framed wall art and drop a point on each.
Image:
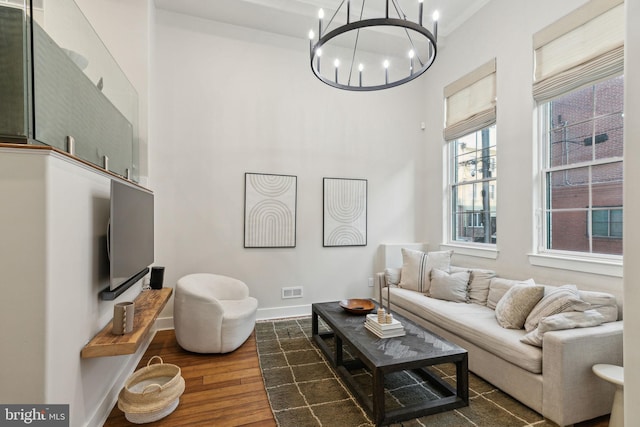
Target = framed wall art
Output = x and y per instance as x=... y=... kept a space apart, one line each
x=270 y=210
x=344 y=212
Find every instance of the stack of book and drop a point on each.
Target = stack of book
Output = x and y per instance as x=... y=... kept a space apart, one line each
x=384 y=330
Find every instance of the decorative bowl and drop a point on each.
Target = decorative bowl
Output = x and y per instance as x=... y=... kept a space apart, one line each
x=357 y=306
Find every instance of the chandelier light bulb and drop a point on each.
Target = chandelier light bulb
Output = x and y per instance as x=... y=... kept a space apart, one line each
x=311 y=35
x=411 y=55
x=360 y=67
x=319 y=52
x=385 y=64
x=320 y=18
x=336 y=63
x=436 y=16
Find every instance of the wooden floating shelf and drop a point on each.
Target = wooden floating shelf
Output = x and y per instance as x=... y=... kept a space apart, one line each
x=148 y=306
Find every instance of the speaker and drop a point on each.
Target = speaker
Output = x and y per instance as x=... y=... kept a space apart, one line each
x=157 y=277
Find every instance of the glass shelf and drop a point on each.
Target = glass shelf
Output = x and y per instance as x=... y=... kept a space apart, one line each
x=65 y=83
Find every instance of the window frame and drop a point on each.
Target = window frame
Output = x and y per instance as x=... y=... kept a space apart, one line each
x=543 y=241
x=481 y=249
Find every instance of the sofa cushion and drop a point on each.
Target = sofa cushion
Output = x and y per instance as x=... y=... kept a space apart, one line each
x=499 y=286
x=449 y=286
x=478 y=290
x=516 y=304
x=474 y=323
x=556 y=300
x=417 y=266
x=566 y=320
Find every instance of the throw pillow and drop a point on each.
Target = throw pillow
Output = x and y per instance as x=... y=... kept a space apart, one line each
x=450 y=287
x=566 y=320
x=479 y=285
x=499 y=286
x=516 y=304
x=604 y=303
x=392 y=275
x=555 y=300
x=417 y=266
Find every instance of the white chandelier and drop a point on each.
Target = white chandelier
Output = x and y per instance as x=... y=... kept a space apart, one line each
x=377 y=50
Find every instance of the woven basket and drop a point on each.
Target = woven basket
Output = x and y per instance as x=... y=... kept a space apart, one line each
x=151 y=393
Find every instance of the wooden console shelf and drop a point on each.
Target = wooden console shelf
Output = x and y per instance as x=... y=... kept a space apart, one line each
x=149 y=304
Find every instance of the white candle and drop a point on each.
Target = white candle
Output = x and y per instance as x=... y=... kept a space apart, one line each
x=320 y=18
x=386 y=71
x=411 y=55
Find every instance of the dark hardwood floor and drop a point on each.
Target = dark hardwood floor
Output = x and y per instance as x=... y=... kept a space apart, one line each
x=222 y=389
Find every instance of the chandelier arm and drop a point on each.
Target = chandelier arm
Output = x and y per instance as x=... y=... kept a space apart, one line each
x=353 y=56
x=355 y=45
x=398 y=9
x=334 y=15
x=413 y=47
x=403 y=15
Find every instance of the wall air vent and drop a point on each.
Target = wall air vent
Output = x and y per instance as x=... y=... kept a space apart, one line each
x=292 y=292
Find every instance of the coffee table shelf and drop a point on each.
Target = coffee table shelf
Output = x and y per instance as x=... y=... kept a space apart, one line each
x=416 y=351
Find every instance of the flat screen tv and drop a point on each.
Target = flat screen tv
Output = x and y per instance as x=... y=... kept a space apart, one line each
x=130 y=234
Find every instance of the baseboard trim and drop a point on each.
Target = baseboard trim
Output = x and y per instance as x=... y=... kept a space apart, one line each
x=164 y=323
x=282 y=312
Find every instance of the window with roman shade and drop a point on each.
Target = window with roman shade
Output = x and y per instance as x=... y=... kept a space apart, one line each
x=470 y=130
x=579 y=89
x=581 y=48
x=470 y=102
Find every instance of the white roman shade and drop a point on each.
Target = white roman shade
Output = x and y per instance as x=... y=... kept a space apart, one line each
x=470 y=102
x=581 y=48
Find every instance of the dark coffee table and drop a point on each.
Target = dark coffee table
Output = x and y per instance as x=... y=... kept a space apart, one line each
x=415 y=351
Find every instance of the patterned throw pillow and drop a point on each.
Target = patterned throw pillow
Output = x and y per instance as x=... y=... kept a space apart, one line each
x=555 y=300
x=417 y=266
x=449 y=287
x=516 y=304
x=499 y=286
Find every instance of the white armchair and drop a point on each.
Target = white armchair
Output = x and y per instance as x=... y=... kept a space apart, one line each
x=212 y=313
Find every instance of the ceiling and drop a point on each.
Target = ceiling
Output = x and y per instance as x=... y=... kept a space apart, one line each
x=296 y=17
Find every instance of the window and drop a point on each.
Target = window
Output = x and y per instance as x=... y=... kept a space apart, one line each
x=473 y=187
x=583 y=149
x=470 y=117
x=607 y=223
x=578 y=85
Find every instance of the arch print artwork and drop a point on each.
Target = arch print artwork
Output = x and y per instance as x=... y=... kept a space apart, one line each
x=270 y=211
x=345 y=212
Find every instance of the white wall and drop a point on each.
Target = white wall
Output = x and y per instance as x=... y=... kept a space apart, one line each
x=53 y=267
x=231 y=100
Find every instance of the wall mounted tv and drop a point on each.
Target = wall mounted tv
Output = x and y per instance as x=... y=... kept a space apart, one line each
x=129 y=236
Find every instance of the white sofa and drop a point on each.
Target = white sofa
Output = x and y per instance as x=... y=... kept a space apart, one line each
x=555 y=380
